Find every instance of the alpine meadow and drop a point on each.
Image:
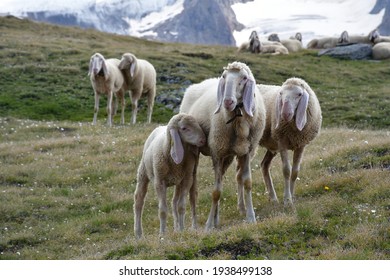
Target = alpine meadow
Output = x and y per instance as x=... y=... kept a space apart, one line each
x=66 y=186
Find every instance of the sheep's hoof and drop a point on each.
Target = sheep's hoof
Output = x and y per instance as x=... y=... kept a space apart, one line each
x=289 y=205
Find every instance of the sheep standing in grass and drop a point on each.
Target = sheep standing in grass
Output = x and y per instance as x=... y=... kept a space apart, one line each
x=170 y=157
x=293 y=120
x=140 y=79
x=106 y=78
x=230 y=111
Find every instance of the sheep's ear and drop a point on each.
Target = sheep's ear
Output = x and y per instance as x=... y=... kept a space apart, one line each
x=177 y=150
x=278 y=109
x=248 y=98
x=90 y=67
x=132 y=68
x=300 y=118
x=105 y=70
x=220 y=93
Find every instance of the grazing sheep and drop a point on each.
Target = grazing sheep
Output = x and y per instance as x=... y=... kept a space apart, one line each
x=140 y=79
x=230 y=111
x=106 y=78
x=293 y=120
x=364 y=39
x=293 y=44
x=170 y=157
x=381 y=51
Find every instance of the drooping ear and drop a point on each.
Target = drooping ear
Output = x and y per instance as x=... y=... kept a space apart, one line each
x=248 y=96
x=90 y=67
x=300 y=118
x=105 y=70
x=177 y=150
x=278 y=109
x=132 y=67
x=220 y=94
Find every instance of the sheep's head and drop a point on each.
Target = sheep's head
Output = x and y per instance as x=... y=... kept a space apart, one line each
x=253 y=35
x=128 y=62
x=97 y=64
x=273 y=37
x=184 y=128
x=236 y=85
x=292 y=101
x=373 y=35
x=344 y=37
x=298 y=36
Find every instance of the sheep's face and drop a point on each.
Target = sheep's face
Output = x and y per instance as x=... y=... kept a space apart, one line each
x=292 y=101
x=191 y=132
x=96 y=64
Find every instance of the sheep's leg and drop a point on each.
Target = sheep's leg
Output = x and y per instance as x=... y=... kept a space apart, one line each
x=96 y=108
x=161 y=189
x=244 y=182
x=194 y=194
x=265 y=169
x=297 y=158
x=121 y=95
x=134 y=109
x=213 y=219
x=287 y=175
x=139 y=200
x=109 y=108
x=181 y=201
x=151 y=95
x=220 y=167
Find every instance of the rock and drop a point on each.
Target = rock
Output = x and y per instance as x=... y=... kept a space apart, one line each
x=353 y=51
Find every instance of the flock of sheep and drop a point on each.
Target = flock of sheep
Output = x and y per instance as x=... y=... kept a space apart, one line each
x=380 y=44
x=224 y=118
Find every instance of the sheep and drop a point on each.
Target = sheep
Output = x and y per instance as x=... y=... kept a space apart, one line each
x=293 y=44
x=106 y=78
x=381 y=51
x=230 y=111
x=140 y=79
x=274 y=49
x=170 y=157
x=327 y=42
x=254 y=45
x=366 y=39
x=250 y=45
x=293 y=120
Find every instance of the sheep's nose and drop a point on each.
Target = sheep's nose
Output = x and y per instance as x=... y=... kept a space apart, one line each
x=202 y=142
x=229 y=104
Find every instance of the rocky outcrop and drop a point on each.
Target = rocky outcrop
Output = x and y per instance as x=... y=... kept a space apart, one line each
x=353 y=52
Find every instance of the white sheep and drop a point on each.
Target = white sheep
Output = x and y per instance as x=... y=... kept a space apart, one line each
x=170 y=157
x=364 y=39
x=327 y=42
x=231 y=112
x=274 y=49
x=140 y=79
x=106 y=78
x=294 y=44
x=293 y=120
x=381 y=51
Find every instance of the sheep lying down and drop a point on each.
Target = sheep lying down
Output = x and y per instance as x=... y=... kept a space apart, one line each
x=170 y=157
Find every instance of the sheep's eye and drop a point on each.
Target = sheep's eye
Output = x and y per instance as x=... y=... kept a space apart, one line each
x=184 y=129
x=245 y=78
x=299 y=94
x=280 y=93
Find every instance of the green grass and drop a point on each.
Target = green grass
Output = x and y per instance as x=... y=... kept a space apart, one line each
x=66 y=187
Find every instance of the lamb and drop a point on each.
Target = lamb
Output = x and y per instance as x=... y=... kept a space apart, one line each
x=170 y=157
x=381 y=51
x=274 y=49
x=293 y=120
x=230 y=111
x=106 y=78
x=293 y=44
x=140 y=79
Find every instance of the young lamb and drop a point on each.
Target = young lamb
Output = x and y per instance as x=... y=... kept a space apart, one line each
x=170 y=157
x=140 y=79
x=231 y=112
x=293 y=120
x=106 y=78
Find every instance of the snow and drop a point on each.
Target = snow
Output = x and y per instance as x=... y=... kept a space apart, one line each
x=143 y=26
x=17 y=7
x=314 y=18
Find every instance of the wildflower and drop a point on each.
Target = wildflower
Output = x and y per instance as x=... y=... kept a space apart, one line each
x=326 y=188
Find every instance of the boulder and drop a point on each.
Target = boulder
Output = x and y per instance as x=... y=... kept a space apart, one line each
x=351 y=51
